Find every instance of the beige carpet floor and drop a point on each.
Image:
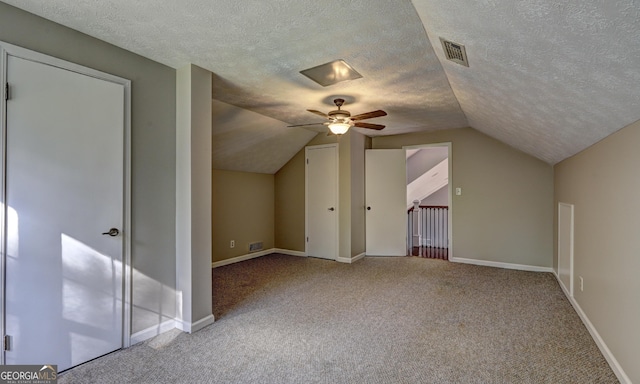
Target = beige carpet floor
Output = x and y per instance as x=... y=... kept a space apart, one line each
x=284 y=319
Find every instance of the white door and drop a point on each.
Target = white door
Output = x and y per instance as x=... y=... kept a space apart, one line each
x=322 y=201
x=64 y=190
x=386 y=196
x=565 y=246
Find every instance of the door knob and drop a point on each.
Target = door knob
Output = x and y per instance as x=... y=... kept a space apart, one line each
x=368 y=208
x=112 y=232
x=332 y=209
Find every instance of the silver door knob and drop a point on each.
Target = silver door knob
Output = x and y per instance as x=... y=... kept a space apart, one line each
x=112 y=232
x=332 y=209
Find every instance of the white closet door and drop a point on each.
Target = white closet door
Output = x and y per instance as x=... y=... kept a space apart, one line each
x=64 y=178
x=386 y=196
x=322 y=201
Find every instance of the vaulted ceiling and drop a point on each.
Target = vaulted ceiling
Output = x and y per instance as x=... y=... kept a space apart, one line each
x=547 y=77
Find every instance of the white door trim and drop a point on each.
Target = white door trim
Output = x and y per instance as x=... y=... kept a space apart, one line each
x=19 y=52
x=570 y=207
x=450 y=187
x=306 y=196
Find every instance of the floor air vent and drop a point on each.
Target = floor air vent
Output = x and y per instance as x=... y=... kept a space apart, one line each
x=455 y=52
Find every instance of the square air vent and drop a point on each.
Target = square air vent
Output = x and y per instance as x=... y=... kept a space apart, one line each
x=455 y=52
x=331 y=73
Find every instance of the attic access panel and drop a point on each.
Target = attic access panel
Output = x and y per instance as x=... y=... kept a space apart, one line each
x=331 y=73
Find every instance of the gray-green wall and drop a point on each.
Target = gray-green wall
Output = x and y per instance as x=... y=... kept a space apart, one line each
x=153 y=105
x=289 y=209
x=603 y=185
x=505 y=212
x=504 y=215
x=243 y=211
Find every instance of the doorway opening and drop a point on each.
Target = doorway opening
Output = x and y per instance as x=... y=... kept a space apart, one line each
x=429 y=201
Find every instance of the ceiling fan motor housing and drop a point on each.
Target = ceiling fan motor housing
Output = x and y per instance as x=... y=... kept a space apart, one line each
x=339 y=114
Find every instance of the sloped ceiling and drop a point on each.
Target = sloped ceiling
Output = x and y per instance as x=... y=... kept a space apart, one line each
x=248 y=141
x=549 y=78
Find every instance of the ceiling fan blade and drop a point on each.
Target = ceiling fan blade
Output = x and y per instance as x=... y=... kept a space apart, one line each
x=369 y=126
x=369 y=115
x=318 y=113
x=304 y=125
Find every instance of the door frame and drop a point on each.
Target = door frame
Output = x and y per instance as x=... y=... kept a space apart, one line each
x=569 y=290
x=449 y=146
x=7 y=50
x=306 y=197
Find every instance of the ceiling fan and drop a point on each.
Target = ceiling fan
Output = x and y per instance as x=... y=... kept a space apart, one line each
x=340 y=120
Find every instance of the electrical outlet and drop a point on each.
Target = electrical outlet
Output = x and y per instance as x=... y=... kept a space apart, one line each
x=581 y=284
x=232 y=244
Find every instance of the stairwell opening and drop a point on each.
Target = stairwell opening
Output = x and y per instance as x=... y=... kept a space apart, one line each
x=428 y=201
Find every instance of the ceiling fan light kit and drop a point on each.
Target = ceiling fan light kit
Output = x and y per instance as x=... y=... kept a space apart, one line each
x=339 y=128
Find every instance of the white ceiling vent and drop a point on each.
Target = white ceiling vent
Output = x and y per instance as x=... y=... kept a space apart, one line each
x=455 y=52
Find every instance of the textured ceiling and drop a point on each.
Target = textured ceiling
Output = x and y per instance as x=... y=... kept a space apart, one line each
x=547 y=77
x=247 y=141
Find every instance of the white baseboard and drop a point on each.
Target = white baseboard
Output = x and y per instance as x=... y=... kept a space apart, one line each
x=168 y=325
x=253 y=255
x=238 y=259
x=289 y=252
x=154 y=331
x=613 y=363
x=520 y=267
x=194 y=327
x=350 y=260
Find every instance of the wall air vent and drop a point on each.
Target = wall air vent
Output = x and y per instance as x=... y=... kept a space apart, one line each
x=455 y=52
x=255 y=247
